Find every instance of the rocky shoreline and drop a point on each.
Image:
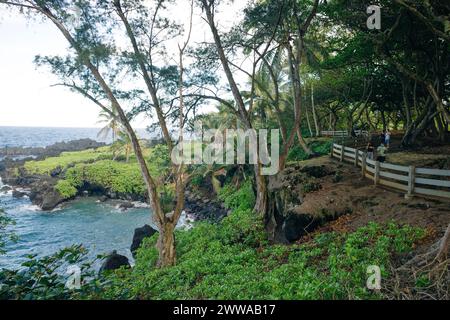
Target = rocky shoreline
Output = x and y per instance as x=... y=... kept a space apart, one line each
x=51 y=150
x=41 y=188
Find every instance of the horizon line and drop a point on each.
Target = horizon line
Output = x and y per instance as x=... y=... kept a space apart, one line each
x=59 y=127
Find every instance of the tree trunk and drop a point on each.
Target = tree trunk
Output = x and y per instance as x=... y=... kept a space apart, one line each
x=444 y=246
x=383 y=120
x=261 y=204
x=166 y=245
x=303 y=143
x=406 y=103
x=308 y=122
x=316 y=123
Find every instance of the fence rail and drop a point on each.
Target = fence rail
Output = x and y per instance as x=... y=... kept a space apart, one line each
x=343 y=133
x=409 y=179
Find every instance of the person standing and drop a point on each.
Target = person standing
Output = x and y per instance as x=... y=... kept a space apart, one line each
x=381 y=153
x=370 y=149
x=382 y=137
x=387 y=138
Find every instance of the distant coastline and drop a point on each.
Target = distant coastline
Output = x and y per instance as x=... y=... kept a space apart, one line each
x=34 y=137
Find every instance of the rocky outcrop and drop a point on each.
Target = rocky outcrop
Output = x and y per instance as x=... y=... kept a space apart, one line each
x=126 y=205
x=52 y=150
x=114 y=261
x=18 y=194
x=44 y=195
x=139 y=235
x=289 y=189
x=5 y=189
x=203 y=207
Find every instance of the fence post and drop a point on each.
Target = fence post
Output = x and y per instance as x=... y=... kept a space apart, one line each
x=363 y=165
x=332 y=150
x=411 y=181
x=356 y=157
x=376 y=176
x=342 y=152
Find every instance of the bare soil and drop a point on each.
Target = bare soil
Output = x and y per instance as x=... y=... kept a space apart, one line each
x=364 y=202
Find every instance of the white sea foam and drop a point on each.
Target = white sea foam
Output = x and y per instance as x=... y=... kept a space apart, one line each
x=29 y=207
x=139 y=204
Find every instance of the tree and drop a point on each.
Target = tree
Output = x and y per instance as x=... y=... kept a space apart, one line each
x=111 y=126
x=411 y=50
x=296 y=23
x=93 y=65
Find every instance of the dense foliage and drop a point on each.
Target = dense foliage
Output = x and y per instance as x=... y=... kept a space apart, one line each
x=233 y=260
x=5 y=234
x=319 y=147
x=66 y=159
x=44 y=278
x=97 y=167
x=228 y=260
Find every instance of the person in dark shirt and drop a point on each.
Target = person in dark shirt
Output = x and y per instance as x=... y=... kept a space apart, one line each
x=382 y=136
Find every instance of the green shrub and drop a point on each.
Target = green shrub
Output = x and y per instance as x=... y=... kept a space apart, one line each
x=5 y=234
x=233 y=260
x=311 y=187
x=66 y=159
x=243 y=199
x=159 y=159
x=214 y=263
x=90 y=166
x=66 y=189
x=45 y=278
x=320 y=147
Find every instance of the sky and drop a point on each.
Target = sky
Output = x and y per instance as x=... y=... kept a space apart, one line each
x=27 y=94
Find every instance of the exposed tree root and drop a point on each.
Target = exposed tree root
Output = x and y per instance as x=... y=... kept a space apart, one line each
x=426 y=276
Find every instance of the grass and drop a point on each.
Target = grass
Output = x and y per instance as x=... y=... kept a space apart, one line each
x=66 y=159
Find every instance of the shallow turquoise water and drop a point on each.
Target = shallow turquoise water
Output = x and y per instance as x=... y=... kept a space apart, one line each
x=100 y=227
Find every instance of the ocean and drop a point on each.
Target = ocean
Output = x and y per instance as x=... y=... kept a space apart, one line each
x=45 y=136
x=100 y=227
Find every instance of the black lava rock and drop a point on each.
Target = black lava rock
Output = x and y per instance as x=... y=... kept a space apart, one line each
x=114 y=261
x=139 y=235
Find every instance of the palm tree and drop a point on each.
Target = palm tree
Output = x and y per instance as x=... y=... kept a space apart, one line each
x=112 y=125
x=122 y=144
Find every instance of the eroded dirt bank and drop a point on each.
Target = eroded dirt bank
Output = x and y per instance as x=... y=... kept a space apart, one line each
x=323 y=193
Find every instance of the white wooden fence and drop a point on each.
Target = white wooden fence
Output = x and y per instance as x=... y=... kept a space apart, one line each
x=411 y=180
x=343 y=133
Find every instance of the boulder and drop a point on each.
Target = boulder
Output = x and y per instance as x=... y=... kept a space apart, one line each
x=139 y=235
x=103 y=198
x=114 y=261
x=5 y=189
x=126 y=205
x=18 y=194
x=56 y=172
x=50 y=200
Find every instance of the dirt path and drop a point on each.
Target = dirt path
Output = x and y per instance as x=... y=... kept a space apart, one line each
x=363 y=202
